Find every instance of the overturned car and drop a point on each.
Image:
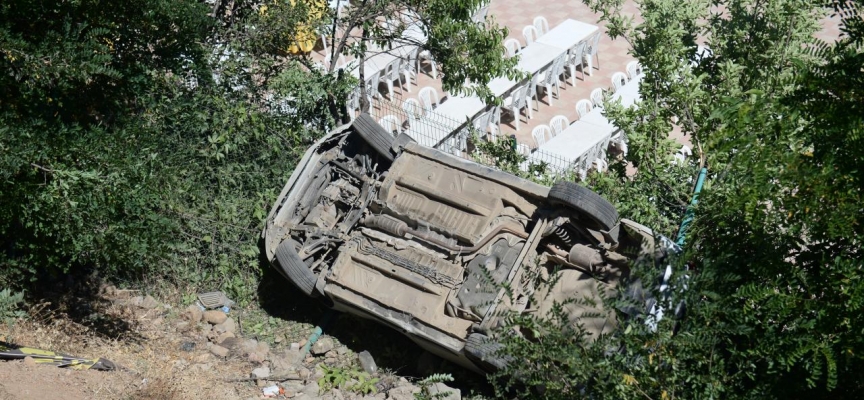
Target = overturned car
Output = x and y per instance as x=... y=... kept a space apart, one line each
x=423 y=241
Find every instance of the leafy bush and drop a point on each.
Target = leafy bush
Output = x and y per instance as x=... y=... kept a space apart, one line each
x=9 y=306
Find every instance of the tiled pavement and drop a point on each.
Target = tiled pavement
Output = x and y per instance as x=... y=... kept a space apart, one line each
x=613 y=57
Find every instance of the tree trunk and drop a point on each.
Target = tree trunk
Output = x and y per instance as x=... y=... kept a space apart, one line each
x=364 y=100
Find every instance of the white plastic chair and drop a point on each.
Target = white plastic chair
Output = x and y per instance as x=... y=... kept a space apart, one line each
x=413 y=110
x=530 y=34
x=552 y=76
x=353 y=102
x=576 y=56
x=542 y=25
x=426 y=55
x=619 y=79
x=392 y=73
x=372 y=86
x=591 y=51
x=340 y=62
x=428 y=97
x=483 y=123
x=523 y=149
x=540 y=133
x=532 y=94
x=406 y=68
x=558 y=124
x=583 y=107
x=516 y=102
x=681 y=156
x=513 y=46
x=634 y=69
x=390 y=124
x=480 y=15
x=597 y=97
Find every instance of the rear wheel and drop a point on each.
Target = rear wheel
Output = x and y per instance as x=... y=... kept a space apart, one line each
x=378 y=139
x=584 y=201
x=294 y=268
x=482 y=351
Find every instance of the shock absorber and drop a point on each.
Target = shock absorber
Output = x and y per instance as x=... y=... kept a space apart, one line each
x=562 y=233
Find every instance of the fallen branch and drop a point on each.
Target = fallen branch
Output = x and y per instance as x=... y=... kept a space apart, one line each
x=271 y=378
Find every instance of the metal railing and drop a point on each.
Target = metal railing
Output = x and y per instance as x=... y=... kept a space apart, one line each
x=452 y=136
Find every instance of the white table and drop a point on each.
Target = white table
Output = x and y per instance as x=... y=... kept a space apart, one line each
x=568 y=34
x=629 y=93
x=578 y=143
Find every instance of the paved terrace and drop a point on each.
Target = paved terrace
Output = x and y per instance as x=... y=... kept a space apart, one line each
x=613 y=57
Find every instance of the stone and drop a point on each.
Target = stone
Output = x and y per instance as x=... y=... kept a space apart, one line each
x=446 y=392
x=367 y=362
x=227 y=326
x=261 y=373
x=203 y=367
x=187 y=346
x=182 y=326
x=204 y=358
x=404 y=391
x=215 y=317
x=294 y=346
x=225 y=335
x=29 y=360
x=322 y=346
x=234 y=344
x=376 y=396
x=255 y=358
x=148 y=302
x=341 y=350
x=304 y=373
x=193 y=314
x=219 y=351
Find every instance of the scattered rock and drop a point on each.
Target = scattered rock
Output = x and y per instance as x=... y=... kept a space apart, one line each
x=203 y=367
x=219 y=351
x=341 y=350
x=287 y=361
x=182 y=326
x=322 y=346
x=187 y=346
x=403 y=392
x=376 y=396
x=304 y=374
x=193 y=314
x=215 y=317
x=29 y=360
x=255 y=358
x=446 y=392
x=295 y=346
x=234 y=344
x=148 y=302
x=227 y=326
x=204 y=358
x=311 y=389
x=225 y=335
x=367 y=362
x=261 y=373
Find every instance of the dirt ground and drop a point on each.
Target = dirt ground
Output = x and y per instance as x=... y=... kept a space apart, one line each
x=149 y=356
x=163 y=352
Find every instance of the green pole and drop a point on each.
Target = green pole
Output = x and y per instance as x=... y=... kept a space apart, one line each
x=688 y=215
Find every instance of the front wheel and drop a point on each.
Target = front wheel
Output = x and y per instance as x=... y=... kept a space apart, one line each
x=294 y=268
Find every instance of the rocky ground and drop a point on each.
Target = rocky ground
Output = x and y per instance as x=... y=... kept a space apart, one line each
x=167 y=351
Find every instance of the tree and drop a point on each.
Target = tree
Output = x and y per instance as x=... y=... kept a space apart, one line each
x=138 y=143
x=775 y=297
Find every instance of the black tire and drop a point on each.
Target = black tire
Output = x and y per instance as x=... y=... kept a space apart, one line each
x=482 y=352
x=378 y=139
x=294 y=268
x=586 y=202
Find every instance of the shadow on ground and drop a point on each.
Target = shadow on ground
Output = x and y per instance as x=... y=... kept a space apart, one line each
x=79 y=298
x=391 y=350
